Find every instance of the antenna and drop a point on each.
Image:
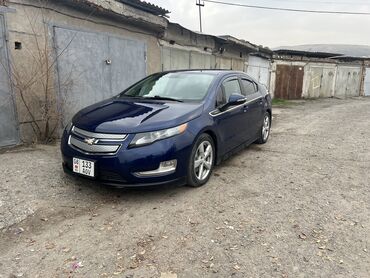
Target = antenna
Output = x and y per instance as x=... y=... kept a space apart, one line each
x=200 y=4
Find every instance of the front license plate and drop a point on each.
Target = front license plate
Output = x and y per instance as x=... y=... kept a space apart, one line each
x=84 y=167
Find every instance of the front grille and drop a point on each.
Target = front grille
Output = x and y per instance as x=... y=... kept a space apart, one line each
x=95 y=143
x=111 y=176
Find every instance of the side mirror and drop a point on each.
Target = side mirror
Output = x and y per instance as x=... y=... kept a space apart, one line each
x=234 y=99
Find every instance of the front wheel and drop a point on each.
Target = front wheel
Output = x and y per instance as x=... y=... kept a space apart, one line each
x=265 y=129
x=201 y=161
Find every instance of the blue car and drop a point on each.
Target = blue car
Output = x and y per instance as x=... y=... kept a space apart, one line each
x=171 y=127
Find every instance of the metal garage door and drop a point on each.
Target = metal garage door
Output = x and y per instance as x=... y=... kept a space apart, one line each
x=367 y=82
x=259 y=68
x=289 y=82
x=321 y=81
x=348 y=81
x=8 y=123
x=93 y=67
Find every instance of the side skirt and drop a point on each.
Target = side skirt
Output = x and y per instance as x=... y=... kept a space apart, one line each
x=235 y=150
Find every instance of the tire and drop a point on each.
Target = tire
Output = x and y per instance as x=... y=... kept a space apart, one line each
x=264 y=132
x=199 y=174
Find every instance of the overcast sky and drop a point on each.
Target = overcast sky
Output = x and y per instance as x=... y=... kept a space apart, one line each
x=277 y=28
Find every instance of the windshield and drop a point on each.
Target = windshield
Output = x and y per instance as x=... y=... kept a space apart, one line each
x=180 y=86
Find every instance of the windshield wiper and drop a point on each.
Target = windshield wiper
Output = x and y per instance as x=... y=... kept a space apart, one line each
x=130 y=96
x=164 y=98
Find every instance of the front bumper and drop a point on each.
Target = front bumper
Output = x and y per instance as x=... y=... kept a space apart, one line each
x=120 y=169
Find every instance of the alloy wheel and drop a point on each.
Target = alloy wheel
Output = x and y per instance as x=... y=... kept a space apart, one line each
x=266 y=128
x=203 y=160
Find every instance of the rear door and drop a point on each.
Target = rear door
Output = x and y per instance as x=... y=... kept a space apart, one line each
x=230 y=123
x=254 y=107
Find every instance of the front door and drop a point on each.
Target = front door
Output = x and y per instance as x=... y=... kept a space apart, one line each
x=231 y=123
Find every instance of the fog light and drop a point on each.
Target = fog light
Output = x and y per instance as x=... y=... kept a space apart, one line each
x=165 y=168
x=168 y=164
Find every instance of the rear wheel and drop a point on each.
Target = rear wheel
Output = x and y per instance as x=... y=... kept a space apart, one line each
x=265 y=129
x=201 y=161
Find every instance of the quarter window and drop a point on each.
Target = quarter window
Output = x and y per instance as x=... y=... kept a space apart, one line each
x=249 y=87
x=231 y=87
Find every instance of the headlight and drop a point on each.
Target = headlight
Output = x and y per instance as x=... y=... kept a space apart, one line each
x=150 y=137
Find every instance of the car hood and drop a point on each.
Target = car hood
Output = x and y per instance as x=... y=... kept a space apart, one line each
x=133 y=116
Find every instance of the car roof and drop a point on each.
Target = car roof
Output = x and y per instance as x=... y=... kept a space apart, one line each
x=208 y=71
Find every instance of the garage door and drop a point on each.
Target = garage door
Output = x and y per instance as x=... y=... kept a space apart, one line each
x=8 y=123
x=259 y=68
x=289 y=82
x=367 y=82
x=93 y=66
x=321 y=81
x=348 y=81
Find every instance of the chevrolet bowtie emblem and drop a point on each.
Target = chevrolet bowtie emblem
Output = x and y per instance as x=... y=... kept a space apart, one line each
x=91 y=141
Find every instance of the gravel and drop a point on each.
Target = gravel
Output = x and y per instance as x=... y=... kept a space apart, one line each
x=298 y=206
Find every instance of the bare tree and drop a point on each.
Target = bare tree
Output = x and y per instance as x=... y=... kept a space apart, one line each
x=34 y=83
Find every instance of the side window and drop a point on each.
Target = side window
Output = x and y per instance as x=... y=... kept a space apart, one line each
x=249 y=87
x=220 y=98
x=231 y=87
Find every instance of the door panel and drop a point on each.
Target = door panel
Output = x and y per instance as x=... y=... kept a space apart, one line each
x=348 y=81
x=231 y=125
x=83 y=75
x=367 y=82
x=289 y=82
x=259 y=68
x=254 y=113
x=8 y=123
x=94 y=66
x=232 y=122
x=128 y=63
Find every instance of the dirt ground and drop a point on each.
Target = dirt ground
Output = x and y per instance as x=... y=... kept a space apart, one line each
x=298 y=206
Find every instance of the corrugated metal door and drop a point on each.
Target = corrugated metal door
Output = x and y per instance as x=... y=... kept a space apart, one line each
x=321 y=81
x=259 y=68
x=128 y=65
x=347 y=81
x=94 y=66
x=367 y=82
x=289 y=82
x=327 y=82
x=8 y=123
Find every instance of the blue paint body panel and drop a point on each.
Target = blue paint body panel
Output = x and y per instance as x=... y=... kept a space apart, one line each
x=230 y=129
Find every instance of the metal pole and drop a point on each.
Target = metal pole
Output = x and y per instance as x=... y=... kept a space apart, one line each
x=200 y=5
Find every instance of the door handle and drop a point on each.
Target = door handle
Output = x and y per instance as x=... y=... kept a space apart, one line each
x=245 y=108
x=260 y=102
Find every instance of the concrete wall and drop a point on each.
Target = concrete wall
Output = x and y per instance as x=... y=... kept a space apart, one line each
x=33 y=28
x=176 y=57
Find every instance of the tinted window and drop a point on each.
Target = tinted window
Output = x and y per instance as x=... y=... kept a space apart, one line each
x=178 y=85
x=249 y=87
x=231 y=87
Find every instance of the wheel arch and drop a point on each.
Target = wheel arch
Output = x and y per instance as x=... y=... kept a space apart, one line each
x=215 y=141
